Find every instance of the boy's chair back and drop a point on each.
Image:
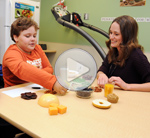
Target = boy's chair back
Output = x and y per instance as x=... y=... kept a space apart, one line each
x=1 y=77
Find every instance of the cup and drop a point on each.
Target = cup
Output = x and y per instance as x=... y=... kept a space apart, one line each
x=108 y=89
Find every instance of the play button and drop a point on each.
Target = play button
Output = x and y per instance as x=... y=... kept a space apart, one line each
x=75 y=69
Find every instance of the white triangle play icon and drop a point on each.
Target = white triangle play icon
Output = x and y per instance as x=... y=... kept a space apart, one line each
x=75 y=69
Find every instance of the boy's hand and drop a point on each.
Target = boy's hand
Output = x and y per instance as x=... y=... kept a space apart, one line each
x=59 y=89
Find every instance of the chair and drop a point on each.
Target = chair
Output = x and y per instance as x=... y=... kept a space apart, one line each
x=1 y=77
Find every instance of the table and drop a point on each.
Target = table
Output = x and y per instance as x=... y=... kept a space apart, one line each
x=129 y=118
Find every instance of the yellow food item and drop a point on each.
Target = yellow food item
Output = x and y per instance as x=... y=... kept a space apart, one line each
x=100 y=103
x=54 y=105
x=53 y=110
x=62 y=109
x=46 y=99
x=108 y=89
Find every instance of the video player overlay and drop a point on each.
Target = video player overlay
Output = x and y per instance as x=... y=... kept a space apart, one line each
x=75 y=69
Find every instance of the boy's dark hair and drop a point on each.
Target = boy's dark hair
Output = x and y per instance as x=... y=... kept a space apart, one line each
x=21 y=24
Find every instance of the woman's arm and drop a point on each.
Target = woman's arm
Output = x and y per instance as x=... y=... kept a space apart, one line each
x=102 y=73
x=102 y=79
x=139 y=87
x=145 y=87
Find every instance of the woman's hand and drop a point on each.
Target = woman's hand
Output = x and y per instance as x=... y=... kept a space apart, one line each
x=59 y=89
x=119 y=82
x=102 y=79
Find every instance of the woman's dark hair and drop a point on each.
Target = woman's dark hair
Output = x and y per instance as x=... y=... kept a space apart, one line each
x=21 y=24
x=129 y=32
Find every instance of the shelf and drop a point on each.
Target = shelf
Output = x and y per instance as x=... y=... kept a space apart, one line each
x=49 y=51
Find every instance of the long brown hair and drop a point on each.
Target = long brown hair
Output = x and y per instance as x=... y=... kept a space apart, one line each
x=129 y=32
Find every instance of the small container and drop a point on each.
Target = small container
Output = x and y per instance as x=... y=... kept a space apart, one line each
x=108 y=89
x=44 y=46
x=85 y=93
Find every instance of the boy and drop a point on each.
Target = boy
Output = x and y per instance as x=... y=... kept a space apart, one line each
x=25 y=61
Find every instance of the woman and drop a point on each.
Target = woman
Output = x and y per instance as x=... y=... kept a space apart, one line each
x=125 y=64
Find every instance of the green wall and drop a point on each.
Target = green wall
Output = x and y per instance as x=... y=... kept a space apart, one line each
x=51 y=31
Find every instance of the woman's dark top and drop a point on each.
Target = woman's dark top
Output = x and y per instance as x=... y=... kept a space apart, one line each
x=136 y=69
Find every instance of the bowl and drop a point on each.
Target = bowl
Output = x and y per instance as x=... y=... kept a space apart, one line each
x=85 y=93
